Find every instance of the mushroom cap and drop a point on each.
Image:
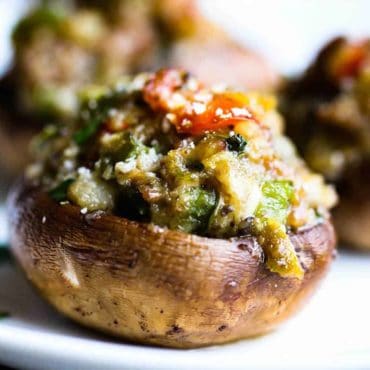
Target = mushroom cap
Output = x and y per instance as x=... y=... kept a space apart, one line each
x=157 y=286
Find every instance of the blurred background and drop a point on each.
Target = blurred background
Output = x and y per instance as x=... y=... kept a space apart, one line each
x=289 y=32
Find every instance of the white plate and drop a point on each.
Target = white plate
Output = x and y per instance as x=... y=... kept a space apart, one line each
x=331 y=332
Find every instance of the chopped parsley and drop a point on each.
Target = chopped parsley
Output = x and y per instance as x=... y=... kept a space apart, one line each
x=236 y=143
x=85 y=133
x=96 y=115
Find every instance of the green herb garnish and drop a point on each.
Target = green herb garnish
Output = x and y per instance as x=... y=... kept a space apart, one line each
x=59 y=193
x=83 y=135
x=96 y=115
x=236 y=143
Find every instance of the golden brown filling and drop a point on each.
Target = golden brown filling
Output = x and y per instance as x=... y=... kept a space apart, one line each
x=163 y=148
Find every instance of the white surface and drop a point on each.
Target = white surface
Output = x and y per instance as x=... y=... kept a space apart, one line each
x=332 y=332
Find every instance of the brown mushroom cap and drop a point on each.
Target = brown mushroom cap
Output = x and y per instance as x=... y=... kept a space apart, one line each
x=157 y=286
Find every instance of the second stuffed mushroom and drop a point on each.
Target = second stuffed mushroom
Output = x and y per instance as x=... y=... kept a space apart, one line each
x=328 y=116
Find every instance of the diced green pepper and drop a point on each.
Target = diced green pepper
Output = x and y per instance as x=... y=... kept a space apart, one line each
x=279 y=250
x=276 y=197
x=272 y=213
x=193 y=209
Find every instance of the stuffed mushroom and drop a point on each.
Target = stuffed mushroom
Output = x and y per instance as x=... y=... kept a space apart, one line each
x=173 y=214
x=60 y=49
x=328 y=116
